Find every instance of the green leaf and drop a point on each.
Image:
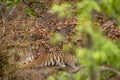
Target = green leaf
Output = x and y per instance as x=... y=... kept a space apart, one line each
x=50 y=78
x=56 y=38
x=30 y=12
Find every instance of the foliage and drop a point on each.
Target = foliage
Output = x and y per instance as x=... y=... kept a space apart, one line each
x=30 y=11
x=102 y=51
x=111 y=7
x=63 y=10
x=56 y=38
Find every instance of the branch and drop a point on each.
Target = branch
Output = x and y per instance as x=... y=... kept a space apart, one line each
x=105 y=68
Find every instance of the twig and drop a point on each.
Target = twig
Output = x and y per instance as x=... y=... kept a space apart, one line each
x=1 y=12
x=102 y=68
x=105 y=68
x=11 y=10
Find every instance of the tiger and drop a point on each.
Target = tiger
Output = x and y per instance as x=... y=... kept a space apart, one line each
x=30 y=58
x=52 y=59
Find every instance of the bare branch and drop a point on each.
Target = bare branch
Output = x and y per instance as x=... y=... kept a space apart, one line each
x=104 y=68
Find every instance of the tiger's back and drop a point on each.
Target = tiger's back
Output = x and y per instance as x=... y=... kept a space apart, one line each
x=52 y=59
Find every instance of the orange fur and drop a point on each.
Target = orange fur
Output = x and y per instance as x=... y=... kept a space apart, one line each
x=52 y=59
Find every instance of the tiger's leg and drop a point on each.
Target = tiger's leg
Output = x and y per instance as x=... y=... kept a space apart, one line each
x=72 y=63
x=62 y=65
x=60 y=61
x=76 y=68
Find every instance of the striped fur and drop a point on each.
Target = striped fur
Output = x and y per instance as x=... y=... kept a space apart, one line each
x=30 y=58
x=52 y=59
